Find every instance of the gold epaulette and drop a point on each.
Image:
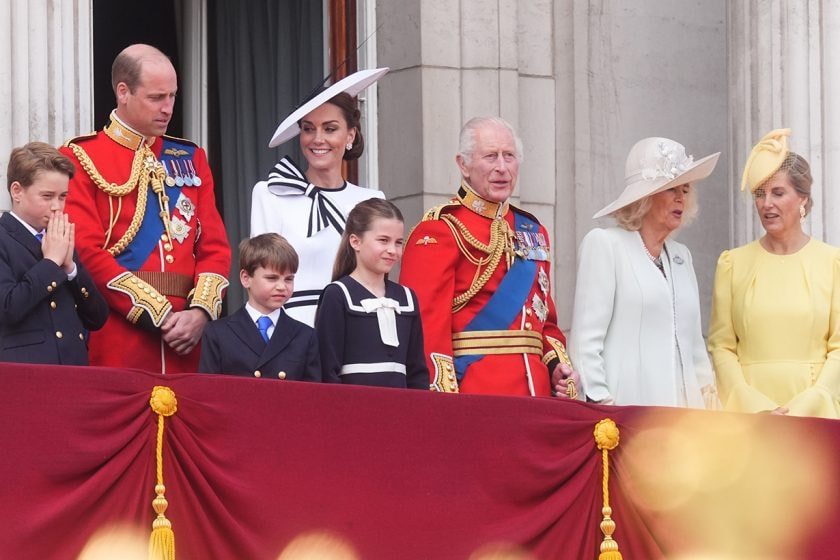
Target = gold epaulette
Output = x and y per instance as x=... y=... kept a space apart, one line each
x=434 y=212
x=181 y=140
x=208 y=293
x=143 y=296
x=525 y=212
x=77 y=139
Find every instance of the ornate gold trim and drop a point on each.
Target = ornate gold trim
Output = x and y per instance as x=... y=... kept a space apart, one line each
x=445 y=380
x=208 y=293
x=122 y=134
x=559 y=350
x=481 y=206
x=143 y=296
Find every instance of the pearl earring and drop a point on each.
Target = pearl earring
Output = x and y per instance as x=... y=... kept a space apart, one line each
x=349 y=146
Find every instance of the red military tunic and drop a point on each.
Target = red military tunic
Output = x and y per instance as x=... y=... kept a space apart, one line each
x=457 y=260
x=164 y=254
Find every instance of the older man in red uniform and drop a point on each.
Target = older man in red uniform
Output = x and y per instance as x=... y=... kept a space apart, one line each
x=480 y=268
x=147 y=227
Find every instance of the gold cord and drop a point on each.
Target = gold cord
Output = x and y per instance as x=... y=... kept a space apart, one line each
x=144 y=169
x=499 y=244
x=112 y=189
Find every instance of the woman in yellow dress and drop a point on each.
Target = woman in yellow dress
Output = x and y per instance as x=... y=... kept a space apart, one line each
x=775 y=329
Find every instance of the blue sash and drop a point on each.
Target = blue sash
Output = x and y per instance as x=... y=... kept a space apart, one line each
x=506 y=302
x=141 y=247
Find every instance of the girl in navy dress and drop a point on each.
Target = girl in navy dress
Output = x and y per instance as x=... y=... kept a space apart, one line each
x=368 y=327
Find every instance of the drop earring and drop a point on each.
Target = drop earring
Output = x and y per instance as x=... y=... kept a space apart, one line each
x=802 y=214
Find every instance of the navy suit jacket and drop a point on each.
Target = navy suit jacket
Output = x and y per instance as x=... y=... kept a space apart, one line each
x=234 y=345
x=44 y=317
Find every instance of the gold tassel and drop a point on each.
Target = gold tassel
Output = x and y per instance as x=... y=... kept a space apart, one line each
x=606 y=438
x=162 y=539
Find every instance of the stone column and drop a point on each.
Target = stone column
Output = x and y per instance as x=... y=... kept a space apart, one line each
x=45 y=74
x=783 y=75
x=449 y=63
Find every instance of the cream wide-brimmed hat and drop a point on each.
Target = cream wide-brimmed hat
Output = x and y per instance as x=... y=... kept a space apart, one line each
x=655 y=165
x=352 y=85
x=765 y=158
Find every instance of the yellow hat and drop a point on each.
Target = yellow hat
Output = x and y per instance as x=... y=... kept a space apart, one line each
x=765 y=159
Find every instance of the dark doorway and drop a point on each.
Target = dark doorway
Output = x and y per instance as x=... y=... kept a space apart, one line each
x=117 y=25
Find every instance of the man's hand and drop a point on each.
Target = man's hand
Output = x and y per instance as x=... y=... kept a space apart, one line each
x=565 y=382
x=182 y=330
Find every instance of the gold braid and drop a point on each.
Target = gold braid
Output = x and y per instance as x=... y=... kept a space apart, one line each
x=111 y=189
x=144 y=168
x=498 y=246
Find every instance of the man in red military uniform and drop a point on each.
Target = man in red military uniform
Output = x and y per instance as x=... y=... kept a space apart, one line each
x=147 y=227
x=480 y=268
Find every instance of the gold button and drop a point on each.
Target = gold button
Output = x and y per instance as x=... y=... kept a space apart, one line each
x=447 y=367
x=58 y=334
x=528 y=312
x=168 y=246
x=258 y=373
x=527 y=326
x=170 y=259
x=81 y=336
x=49 y=288
x=282 y=375
x=164 y=237
x=53 y=305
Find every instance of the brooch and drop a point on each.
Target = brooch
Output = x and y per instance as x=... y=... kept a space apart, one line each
x=543 y=281
x=179 y=229
x=185 y=206
x=539 y=307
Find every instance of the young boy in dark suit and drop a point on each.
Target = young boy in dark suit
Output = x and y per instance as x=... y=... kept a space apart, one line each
x=260 y=339
x=48 y=301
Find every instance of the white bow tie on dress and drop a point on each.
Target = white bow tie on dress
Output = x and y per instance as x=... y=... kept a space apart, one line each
x=386 y=317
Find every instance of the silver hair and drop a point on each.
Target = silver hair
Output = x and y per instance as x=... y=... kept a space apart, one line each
x=466 y=141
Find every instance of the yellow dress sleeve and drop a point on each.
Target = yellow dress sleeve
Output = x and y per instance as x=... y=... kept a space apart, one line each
x=823 y=397
x=735 y=393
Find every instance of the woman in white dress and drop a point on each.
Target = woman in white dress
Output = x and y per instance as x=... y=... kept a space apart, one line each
x=636 y=335
x=309 y=208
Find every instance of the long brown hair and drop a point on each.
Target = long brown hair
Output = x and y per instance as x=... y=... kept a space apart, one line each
x=359 y=221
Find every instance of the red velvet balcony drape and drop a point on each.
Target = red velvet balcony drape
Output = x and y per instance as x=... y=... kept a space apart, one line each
x=251 y=463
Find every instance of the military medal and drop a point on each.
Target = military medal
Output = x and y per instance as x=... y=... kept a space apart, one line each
x=531 y=246
x=196 y=180
x=178 y=179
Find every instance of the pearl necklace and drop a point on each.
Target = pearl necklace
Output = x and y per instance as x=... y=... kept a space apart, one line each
x=657 y=261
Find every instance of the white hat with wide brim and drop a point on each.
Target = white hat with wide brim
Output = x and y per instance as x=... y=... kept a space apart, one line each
x=352 y=85
x=655 y=165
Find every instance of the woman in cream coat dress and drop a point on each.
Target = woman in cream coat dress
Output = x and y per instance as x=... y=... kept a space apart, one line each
x=636 y=333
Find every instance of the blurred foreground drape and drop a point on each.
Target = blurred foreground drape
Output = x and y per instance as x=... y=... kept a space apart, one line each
x=251 y=463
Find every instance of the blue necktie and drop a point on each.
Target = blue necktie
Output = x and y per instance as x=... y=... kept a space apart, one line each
x=39 y=236
x=263 y=323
